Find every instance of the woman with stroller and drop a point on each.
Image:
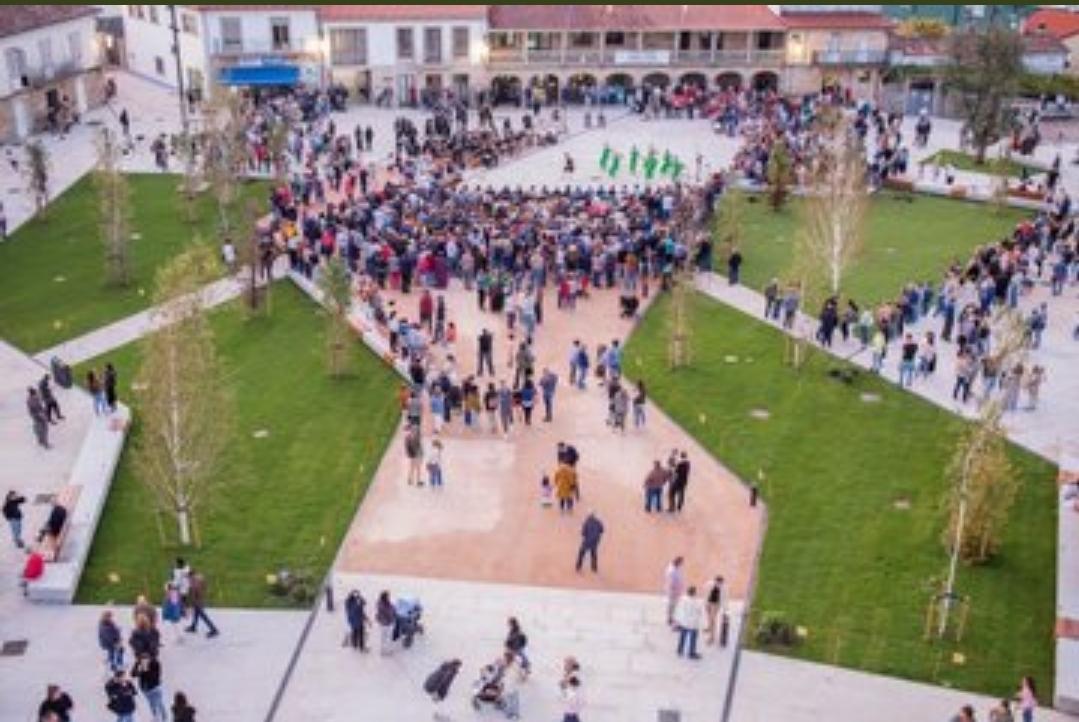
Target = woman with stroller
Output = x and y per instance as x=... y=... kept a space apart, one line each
x=386 y=617
x=498 y=688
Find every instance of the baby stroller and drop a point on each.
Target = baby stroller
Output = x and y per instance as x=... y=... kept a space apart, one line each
x=409 y=620
x=490 y=690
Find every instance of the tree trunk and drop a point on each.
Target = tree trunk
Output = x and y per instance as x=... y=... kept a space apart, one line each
x=183 y=518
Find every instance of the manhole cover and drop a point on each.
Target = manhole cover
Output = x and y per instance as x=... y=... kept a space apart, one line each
x=871 y=398
x=761 y=414
x=44 y=498
x=16 y=648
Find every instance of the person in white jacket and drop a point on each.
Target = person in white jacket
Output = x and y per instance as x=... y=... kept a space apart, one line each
x=688 y=615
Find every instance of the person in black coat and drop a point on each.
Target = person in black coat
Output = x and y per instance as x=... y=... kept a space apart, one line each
x=356 y=614
x=122 y=695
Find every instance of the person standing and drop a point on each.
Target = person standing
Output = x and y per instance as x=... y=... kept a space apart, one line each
x=688 y=616
x=565 y=485
x=674 y=586
x=35 y=407
x=548 y=383
x=486 y=351
x=572 y=702
x=13 y=515
x=122 y=696
x=386 y=617
x=1027 y=698
x=182 y=711
x=734 y=266
x=414 y=454
x=591 y=534
x=356 y=614
x=653 y=488
x=148 y=672
x=434 y=465
x=109 y=382
x=111 y=641
x=96 y=387
x=676 y=492
x=713 y=607
x=640 y=399
x=172 y=609
x=197 y=596
x=52 y=408
x=3 y=222
x=57 y=705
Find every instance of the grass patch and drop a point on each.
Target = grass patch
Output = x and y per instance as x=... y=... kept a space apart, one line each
x=907 y=238
x=53 y=271
x=1001 y=167
x=843 y=557
x=286 y=500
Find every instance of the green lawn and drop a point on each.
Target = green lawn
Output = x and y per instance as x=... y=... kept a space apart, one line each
x=840 y=558
x=53 y=272
x=1003 y=167
x=907 y=238
x=284 y=501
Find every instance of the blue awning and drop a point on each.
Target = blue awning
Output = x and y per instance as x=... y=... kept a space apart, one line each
x=261 y=75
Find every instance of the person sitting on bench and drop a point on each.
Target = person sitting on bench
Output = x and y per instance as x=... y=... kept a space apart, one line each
x=55 y=523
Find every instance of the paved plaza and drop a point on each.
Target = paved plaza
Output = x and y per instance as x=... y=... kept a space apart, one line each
x=483 y=548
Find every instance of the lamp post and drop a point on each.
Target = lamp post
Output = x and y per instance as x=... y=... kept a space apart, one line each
x=174 y=26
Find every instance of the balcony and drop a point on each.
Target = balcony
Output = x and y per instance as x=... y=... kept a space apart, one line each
x=621 y=57
x=850 y=57
x=236 y=47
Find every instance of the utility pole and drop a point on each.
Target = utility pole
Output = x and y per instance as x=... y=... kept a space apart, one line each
x=174 y=26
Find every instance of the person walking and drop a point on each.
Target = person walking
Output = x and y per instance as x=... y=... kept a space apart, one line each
x=516 y=644
x=591 y=533
x=57 y=705
x=438 y=685
x=1027 y=699
x=548 y=383
x=197 y=595
x=48 y=398
x=38 y=418
x=386 y=618
x=13 y=516
x=640 y=399
x=358 y=621
x=122 y=696
x=414 y=454
x=674 y=586
x=172 y=609
x=653 y=488
x=688 y=616
x=109 y=382
x=713 y=606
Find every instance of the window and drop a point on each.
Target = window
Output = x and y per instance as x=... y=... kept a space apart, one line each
x=432 y=45
x=15 y=60
x=541 y=41
x=405 y=48
x=189 y=24
x=153 y=14
x=136 y=11
x=44 y=51
x=580 y=40
x=461 y=43
x=159 y=65
x=615 y=39
x=231 y=34
x=74 y=47
x=280 y=34
x=348 y=46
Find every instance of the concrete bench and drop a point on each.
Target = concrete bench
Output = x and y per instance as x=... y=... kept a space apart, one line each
x=1067 y=611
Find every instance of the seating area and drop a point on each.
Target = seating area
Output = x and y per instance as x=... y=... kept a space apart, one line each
x=84 y=498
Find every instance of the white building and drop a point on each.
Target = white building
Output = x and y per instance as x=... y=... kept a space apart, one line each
x=52 y=69
x=403 y=51
x=148 y=39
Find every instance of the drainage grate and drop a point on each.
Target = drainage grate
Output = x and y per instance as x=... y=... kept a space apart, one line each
x=669 y=715
x=14 y=649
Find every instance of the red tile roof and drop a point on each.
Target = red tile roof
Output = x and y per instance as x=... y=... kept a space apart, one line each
x=402 y=13
x=17 y=19
x=1061 y=24
x=837 y=21
x=634 y=17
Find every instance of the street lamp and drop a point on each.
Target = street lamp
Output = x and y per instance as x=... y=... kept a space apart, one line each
x=174 y=26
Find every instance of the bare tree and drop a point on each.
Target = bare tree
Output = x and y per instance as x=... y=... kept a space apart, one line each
x=836 y=204
x=680 y=329
x=730 y=223
x=114 y=209
x=985 y=72
x=225 y=154
x=38 y=176
x=779 y=170
x=335 y=282
x=185 y=407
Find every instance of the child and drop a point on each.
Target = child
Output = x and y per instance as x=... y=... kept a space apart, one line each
x=546 y=492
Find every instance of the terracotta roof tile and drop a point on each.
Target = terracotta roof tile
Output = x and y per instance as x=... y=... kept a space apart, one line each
x=634 y=17
x=1061 y=24
x=837 y=21
x=403 y=13
x=18 y=19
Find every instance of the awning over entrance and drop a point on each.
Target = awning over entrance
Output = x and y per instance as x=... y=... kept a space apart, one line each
x=261 y=75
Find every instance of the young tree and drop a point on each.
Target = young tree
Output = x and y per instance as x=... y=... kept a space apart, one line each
x=688 y=214
x=114 y=209
x=186 y=409
x=835 y=206
x=225 y=152
x=38 y=170
x=249 y=255
x=730 y=224
x=779 y=175
x=335 y=282
x=985 y=72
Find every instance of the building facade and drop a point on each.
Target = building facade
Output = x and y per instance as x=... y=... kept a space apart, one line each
x=52 y=69
x=148 y=39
